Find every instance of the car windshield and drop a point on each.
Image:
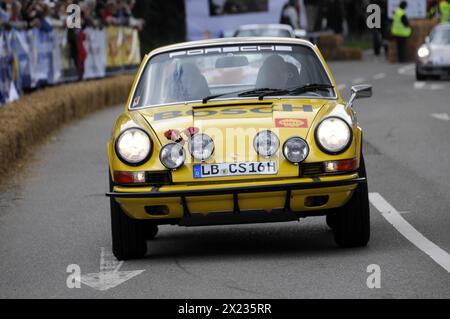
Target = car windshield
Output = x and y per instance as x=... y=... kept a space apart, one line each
x=441 y=36
x=264 y=32
x=230 y=71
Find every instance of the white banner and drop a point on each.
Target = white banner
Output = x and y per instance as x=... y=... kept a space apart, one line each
x=417 y=9
x=95 y=44
x=215 y=18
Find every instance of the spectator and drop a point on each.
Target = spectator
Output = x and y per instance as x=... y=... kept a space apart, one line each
x=335 y=17
x=4 y=14
x=289 y=14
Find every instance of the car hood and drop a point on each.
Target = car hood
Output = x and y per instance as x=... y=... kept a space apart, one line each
x=236 y=120
x=440 y=51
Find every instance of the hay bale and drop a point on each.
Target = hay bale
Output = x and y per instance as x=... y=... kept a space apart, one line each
x=330 y=41
x=349 y=54
x=342 y=54
x=27 y=121
x=392 y=52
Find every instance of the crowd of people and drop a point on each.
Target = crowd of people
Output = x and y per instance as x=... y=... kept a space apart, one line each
x=43 y=42
x=45 y=14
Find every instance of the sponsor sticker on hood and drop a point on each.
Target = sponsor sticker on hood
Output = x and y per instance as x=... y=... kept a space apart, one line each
x=291 y=123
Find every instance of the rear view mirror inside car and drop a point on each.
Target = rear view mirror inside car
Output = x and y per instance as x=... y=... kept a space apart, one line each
x=231 y=62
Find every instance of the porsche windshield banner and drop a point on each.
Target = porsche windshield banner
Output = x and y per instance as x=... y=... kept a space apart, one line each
x=245 y=48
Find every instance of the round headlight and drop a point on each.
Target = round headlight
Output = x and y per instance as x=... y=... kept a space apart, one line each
x=333 y=135
x=201 y=146
x=423 y=52
x=266 y=143
x=133 y=146
x=295 y=149
x=172 y=155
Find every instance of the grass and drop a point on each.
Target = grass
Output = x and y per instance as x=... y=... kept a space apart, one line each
x=360 y=41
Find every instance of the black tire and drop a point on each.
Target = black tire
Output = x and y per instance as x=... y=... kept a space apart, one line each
x=420 y=76
x=352 y=227
x=331 y=220
x=151 y=230
x=128 y=234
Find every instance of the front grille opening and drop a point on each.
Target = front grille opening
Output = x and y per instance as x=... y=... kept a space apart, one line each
x=316 y=201
x=311 y=169
x=157 y=210
x=158 y=178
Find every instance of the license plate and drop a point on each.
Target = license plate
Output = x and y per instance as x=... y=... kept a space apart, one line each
x=235 y=169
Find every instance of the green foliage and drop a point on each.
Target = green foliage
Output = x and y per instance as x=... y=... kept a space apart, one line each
x=361 y=41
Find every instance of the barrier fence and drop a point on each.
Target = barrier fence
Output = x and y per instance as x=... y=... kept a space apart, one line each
x=34 y=58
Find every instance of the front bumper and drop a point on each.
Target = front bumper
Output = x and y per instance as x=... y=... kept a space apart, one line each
x=433 y=69
x=186 y=202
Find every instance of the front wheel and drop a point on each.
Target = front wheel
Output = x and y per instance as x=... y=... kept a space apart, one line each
x=352 y=224
x=331 y=220
x=151 y=230
x=420 y=76
x=128 y=234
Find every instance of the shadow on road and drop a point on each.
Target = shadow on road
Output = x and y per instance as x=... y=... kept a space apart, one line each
x=254 y=241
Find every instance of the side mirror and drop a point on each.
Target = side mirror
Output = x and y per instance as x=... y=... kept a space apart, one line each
x=359 y=92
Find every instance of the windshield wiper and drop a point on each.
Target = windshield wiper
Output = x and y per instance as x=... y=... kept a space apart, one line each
x=243 y=93
x=211 y=97
x=309 y=87
x=262 y=92
x=289 y=91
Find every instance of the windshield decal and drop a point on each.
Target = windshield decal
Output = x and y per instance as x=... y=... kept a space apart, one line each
x=246 y=48
x=168 y=115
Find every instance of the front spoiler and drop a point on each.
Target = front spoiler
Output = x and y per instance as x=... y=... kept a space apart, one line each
x=155 y=193
x=432 y=69
x=238 y=216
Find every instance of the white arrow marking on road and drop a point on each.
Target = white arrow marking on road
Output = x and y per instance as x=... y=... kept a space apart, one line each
x=109 y=275
x=441 y=116
x=437 y=87
x=436 y=253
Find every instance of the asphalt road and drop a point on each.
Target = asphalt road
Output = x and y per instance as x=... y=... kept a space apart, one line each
x=54 y=213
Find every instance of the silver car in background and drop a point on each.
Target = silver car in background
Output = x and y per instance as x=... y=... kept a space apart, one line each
x=269 y=30
x=433 y=57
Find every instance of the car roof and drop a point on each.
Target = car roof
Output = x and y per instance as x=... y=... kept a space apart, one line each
x=232 y=41
x=266 y=26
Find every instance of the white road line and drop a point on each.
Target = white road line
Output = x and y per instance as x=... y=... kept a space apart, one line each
x=441 y=116
x=407 y=69
x=419 y=84
x=437 y=86
x=341 y=86
x=358 y=80
x=440 y=256
x=379 y=76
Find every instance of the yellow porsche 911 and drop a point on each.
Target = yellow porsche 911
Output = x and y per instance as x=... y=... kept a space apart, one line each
x=232 y=131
